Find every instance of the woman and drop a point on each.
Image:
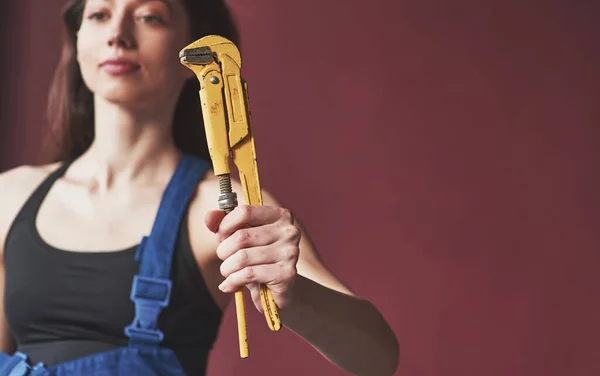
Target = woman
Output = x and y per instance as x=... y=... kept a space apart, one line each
x=127 y=113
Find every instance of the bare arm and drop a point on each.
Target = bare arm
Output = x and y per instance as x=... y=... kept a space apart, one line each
x=16 y=186
x=263 y=244
x=7 y=344
x=349 y=331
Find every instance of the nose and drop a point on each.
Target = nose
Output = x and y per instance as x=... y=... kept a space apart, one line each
x=119 y=40
x=120 y=34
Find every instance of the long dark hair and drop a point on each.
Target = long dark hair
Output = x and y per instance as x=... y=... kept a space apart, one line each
x=71 y=103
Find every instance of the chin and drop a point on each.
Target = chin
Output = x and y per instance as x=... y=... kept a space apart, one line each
x=125 y=94
x=133 y=93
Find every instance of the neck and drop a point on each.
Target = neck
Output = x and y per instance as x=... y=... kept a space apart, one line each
x=129 y=144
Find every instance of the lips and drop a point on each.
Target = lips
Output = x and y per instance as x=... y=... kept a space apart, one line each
x=119 y=66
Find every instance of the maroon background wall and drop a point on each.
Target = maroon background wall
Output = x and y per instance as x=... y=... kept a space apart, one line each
x=443 y=155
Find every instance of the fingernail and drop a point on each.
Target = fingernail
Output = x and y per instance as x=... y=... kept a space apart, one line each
x=222 y=286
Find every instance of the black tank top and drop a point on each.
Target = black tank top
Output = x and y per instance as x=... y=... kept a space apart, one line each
x=61 y=305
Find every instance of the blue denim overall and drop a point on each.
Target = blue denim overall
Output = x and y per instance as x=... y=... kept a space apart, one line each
x=150 y=293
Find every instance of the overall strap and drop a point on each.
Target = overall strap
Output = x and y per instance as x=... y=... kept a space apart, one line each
x=151 y=288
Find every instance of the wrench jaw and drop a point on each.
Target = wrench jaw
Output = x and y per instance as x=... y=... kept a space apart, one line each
x=211 y=44
x=196 y=55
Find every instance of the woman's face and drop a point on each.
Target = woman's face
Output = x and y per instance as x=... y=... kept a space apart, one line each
x=128 y=50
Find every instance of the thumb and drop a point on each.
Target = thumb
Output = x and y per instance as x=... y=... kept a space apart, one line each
x=213 y=219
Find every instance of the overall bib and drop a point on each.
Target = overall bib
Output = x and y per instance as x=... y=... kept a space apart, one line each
x=150 y=292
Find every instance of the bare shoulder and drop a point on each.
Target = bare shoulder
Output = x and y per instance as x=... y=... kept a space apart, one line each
x=16 y=185
x=25 y=172
x=19 y=180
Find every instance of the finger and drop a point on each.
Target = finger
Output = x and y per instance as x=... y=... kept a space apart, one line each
x=245 y=257
x=250 y=216
x=271 y=274
x=247 y=238
x=213 y=219
x=255 y=294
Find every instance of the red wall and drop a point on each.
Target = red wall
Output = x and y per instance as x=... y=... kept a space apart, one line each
x=443 y=155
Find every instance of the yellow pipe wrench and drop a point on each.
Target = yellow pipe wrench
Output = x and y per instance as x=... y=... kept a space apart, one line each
x=216 y=61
